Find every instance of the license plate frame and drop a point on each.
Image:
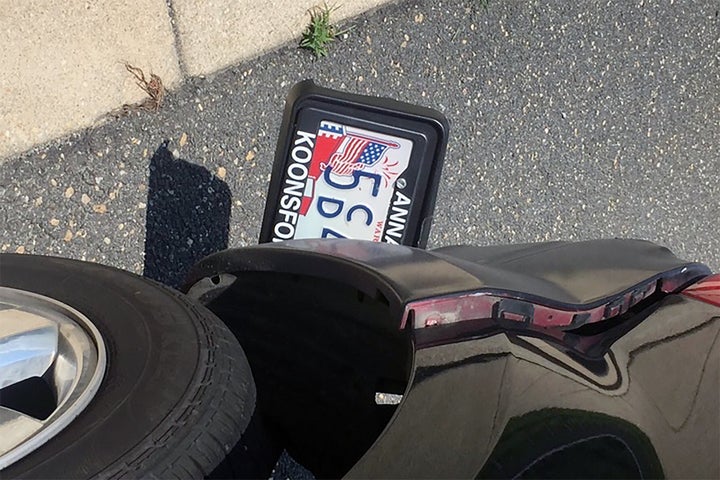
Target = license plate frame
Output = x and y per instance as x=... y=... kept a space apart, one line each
x=353 y=166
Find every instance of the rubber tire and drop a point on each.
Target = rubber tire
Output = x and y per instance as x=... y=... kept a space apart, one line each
x=177 y=394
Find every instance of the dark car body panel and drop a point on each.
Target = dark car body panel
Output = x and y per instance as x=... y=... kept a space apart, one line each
x=554 y=273
x=661 y=378
x=639 y=392
x=566 y=272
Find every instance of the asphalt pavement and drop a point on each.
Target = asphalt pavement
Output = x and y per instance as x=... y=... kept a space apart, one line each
x=570 y=120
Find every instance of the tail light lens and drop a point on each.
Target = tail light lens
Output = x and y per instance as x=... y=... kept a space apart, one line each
x=706 y=290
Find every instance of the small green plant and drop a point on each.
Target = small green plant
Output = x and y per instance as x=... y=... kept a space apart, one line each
x=320 y=32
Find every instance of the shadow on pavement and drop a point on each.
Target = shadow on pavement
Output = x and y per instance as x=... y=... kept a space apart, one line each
x=188 y=217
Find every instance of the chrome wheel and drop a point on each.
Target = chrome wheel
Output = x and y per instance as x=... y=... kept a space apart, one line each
x=52 y=362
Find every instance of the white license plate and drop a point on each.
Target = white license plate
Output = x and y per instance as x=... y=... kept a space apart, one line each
x=350 y=184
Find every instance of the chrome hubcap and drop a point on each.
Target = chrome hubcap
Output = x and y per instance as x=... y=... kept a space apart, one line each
x=52 y=362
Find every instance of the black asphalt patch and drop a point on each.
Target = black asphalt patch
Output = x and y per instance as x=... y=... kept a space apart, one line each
x=568 y=122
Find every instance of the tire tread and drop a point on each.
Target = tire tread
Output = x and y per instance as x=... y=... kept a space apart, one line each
x=222 y=381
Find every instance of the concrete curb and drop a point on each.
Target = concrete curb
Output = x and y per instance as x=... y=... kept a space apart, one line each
x=62 y=64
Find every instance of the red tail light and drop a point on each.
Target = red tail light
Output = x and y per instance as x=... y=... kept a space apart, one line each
x=706 y=290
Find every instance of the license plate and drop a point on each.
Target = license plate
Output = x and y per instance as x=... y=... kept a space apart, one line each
x=350 y=166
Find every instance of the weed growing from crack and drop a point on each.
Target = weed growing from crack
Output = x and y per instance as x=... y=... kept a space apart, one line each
x=320 y=32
